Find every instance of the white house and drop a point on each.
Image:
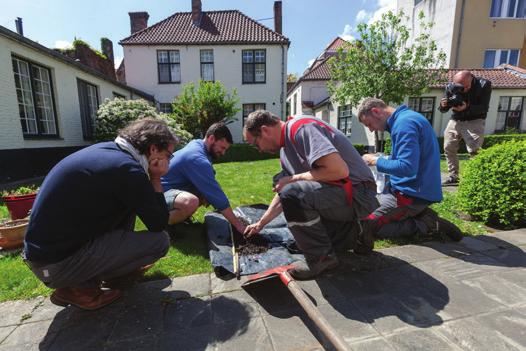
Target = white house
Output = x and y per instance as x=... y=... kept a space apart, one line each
x=506 y=110
x=47 y=105
x=225 y=46
x=311 y=88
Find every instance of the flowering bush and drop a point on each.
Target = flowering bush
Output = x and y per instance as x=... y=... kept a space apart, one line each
x=117 y=113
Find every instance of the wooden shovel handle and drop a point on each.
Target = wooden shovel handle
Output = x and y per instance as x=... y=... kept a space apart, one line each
x=313 y=312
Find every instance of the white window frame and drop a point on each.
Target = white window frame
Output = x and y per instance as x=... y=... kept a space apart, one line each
x=498 y=53
x=37 y=106
x=504 y=9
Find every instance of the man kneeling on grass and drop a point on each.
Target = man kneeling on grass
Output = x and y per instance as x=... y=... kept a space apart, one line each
x=81 y=232
x=324 y=189
x=190 y=181
x=414 y=173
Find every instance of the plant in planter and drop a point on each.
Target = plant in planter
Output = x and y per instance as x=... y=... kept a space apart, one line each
x=19 y=201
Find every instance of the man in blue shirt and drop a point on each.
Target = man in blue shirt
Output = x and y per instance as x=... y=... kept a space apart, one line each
x=190 y=181
x=413 y=169
x=81 y=231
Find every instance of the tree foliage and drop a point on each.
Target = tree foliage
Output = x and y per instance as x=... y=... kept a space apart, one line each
x=383 y=63
x=117 y=113
x=197 y=108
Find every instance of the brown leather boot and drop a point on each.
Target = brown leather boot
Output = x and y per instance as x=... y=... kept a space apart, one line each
x=84 y=298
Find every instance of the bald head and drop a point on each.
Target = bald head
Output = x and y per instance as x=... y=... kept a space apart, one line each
x=463 y=77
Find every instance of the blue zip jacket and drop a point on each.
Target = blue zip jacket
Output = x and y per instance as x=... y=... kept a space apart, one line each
x=191 y=170
x=414 y=164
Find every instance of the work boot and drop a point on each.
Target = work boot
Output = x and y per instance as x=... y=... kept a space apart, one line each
x=84 y=298
x=438 y=225
x=312 y=268
x=450 y=181
x=365 y=240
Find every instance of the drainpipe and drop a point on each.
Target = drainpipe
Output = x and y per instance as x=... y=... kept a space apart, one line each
x=459 y=37
x=281 y=98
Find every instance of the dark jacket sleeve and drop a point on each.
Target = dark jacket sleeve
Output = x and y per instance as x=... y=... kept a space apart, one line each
x=137 y=193
x=483 y=104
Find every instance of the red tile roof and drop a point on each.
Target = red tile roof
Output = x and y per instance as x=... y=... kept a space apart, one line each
x=336 y=44
x=216 y=27
x=319 y=72
x=499 y=77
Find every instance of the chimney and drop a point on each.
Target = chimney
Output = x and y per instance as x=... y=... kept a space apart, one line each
x=196 y=12
x=106 y=47
x=277 y=16
x=19 y=28
x=138 y=21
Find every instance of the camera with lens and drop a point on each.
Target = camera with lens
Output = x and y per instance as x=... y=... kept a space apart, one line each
x=454 y=94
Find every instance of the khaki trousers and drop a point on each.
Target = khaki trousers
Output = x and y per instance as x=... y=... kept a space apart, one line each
x=473 y=134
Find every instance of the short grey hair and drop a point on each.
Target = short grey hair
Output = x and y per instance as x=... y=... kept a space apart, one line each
x=367 y=105
x=259 y=118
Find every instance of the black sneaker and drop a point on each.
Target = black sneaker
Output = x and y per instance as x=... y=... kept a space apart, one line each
x=451 y=230
x=438 y=225
x=313 y=268
x=365 y=239
x=450 y=181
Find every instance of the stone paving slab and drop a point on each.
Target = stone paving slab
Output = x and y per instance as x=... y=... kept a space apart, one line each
x=469 y=295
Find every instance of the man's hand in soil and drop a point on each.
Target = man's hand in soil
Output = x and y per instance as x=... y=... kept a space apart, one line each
x=252 y=229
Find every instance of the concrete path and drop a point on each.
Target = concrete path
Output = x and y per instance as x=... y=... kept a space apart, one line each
x=438 y=296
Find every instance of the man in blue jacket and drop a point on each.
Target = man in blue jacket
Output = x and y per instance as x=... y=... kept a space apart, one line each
x=413 y=169
x=81 y=231
x=190 y=181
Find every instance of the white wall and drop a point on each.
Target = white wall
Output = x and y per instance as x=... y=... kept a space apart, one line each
x=361 y=135
x=441 y=13
x=67 y=109
x=315 y=91
x=141 y=73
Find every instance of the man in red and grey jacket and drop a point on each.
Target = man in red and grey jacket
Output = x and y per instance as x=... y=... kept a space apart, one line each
x=324 y=188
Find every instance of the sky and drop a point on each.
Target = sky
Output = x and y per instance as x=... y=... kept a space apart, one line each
x=310 y=25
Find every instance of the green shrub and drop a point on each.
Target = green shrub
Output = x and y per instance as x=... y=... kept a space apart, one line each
x=493 y=185
x=117 y=113
x=489 y=141
x=244 y=152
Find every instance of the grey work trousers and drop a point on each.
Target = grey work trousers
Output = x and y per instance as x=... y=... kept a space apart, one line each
x=116 y=253
x=319 y=217
x=397 y=215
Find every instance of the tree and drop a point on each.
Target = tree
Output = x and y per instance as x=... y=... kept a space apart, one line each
x=382 y=63
x=196 y=109
x=117 y=113
x=292 y=77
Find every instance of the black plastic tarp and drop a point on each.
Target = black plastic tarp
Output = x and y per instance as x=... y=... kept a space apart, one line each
x=276 y=234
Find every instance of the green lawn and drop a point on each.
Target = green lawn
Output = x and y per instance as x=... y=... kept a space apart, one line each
x=244 y=183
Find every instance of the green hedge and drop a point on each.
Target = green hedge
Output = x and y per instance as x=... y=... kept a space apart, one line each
x=493 y=185
x=246 y=152
x=489 y=141
x=243 y=152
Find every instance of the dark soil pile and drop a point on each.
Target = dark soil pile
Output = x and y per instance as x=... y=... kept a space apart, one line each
x=256 y=244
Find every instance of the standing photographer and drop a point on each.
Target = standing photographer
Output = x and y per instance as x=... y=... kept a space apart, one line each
x=470 y=108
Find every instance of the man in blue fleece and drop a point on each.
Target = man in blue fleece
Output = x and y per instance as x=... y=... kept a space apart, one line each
x=81 y=231
x=190 y=181
x=413 y=169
